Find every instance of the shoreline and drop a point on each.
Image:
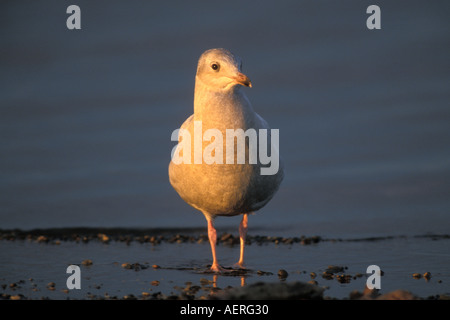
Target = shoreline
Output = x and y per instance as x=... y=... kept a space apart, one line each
x=106 y=254
x=179 y=235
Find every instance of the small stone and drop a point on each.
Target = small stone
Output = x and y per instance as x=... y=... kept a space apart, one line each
x=313 y=275
x=205 y=282
x=103 y=237
x=316 y=239
x=427 y=275
x=16 y=297
x=282 y=274
x=155 y=283
x=155 y=266
x=305 y=241
x=226 y=237
x=344 y=278
x=417 y=275
x=87 y=262
x=42 y=239
x=192 y=289
x=327 y=275
x=334 y=269
x=136 y=266
x=268 y=291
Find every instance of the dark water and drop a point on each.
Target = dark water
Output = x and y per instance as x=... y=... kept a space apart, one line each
x=364 y=116
x=33 y=265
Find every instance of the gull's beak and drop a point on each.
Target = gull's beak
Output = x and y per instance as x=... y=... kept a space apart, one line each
x=243 y=80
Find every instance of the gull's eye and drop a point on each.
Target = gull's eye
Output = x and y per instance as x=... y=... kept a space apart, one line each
x=215 y=66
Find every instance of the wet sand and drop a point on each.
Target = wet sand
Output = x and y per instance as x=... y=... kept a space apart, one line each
x=166 y=264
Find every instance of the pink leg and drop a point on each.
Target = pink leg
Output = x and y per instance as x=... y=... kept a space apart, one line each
x=243 y=227
x=212 y=234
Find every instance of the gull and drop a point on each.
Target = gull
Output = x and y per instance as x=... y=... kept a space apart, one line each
x=224 y=189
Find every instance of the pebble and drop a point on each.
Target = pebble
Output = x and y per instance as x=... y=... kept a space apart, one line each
x=226 y=237
x=335 y=269
x=343 y=278
x=42 y=239
x=417 y=275
x=193 y=289
x=136 y=266
x=51 y=286
x=204 y=281
x=268 y=291
x=282 y=274
x=231 y=240
x=87 y=262
x=427 y=275
x=103 y=238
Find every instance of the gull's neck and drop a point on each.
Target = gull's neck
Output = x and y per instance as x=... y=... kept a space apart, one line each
x=219 y=103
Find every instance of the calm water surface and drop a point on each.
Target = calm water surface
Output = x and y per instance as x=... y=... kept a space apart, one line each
x=86 y=116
